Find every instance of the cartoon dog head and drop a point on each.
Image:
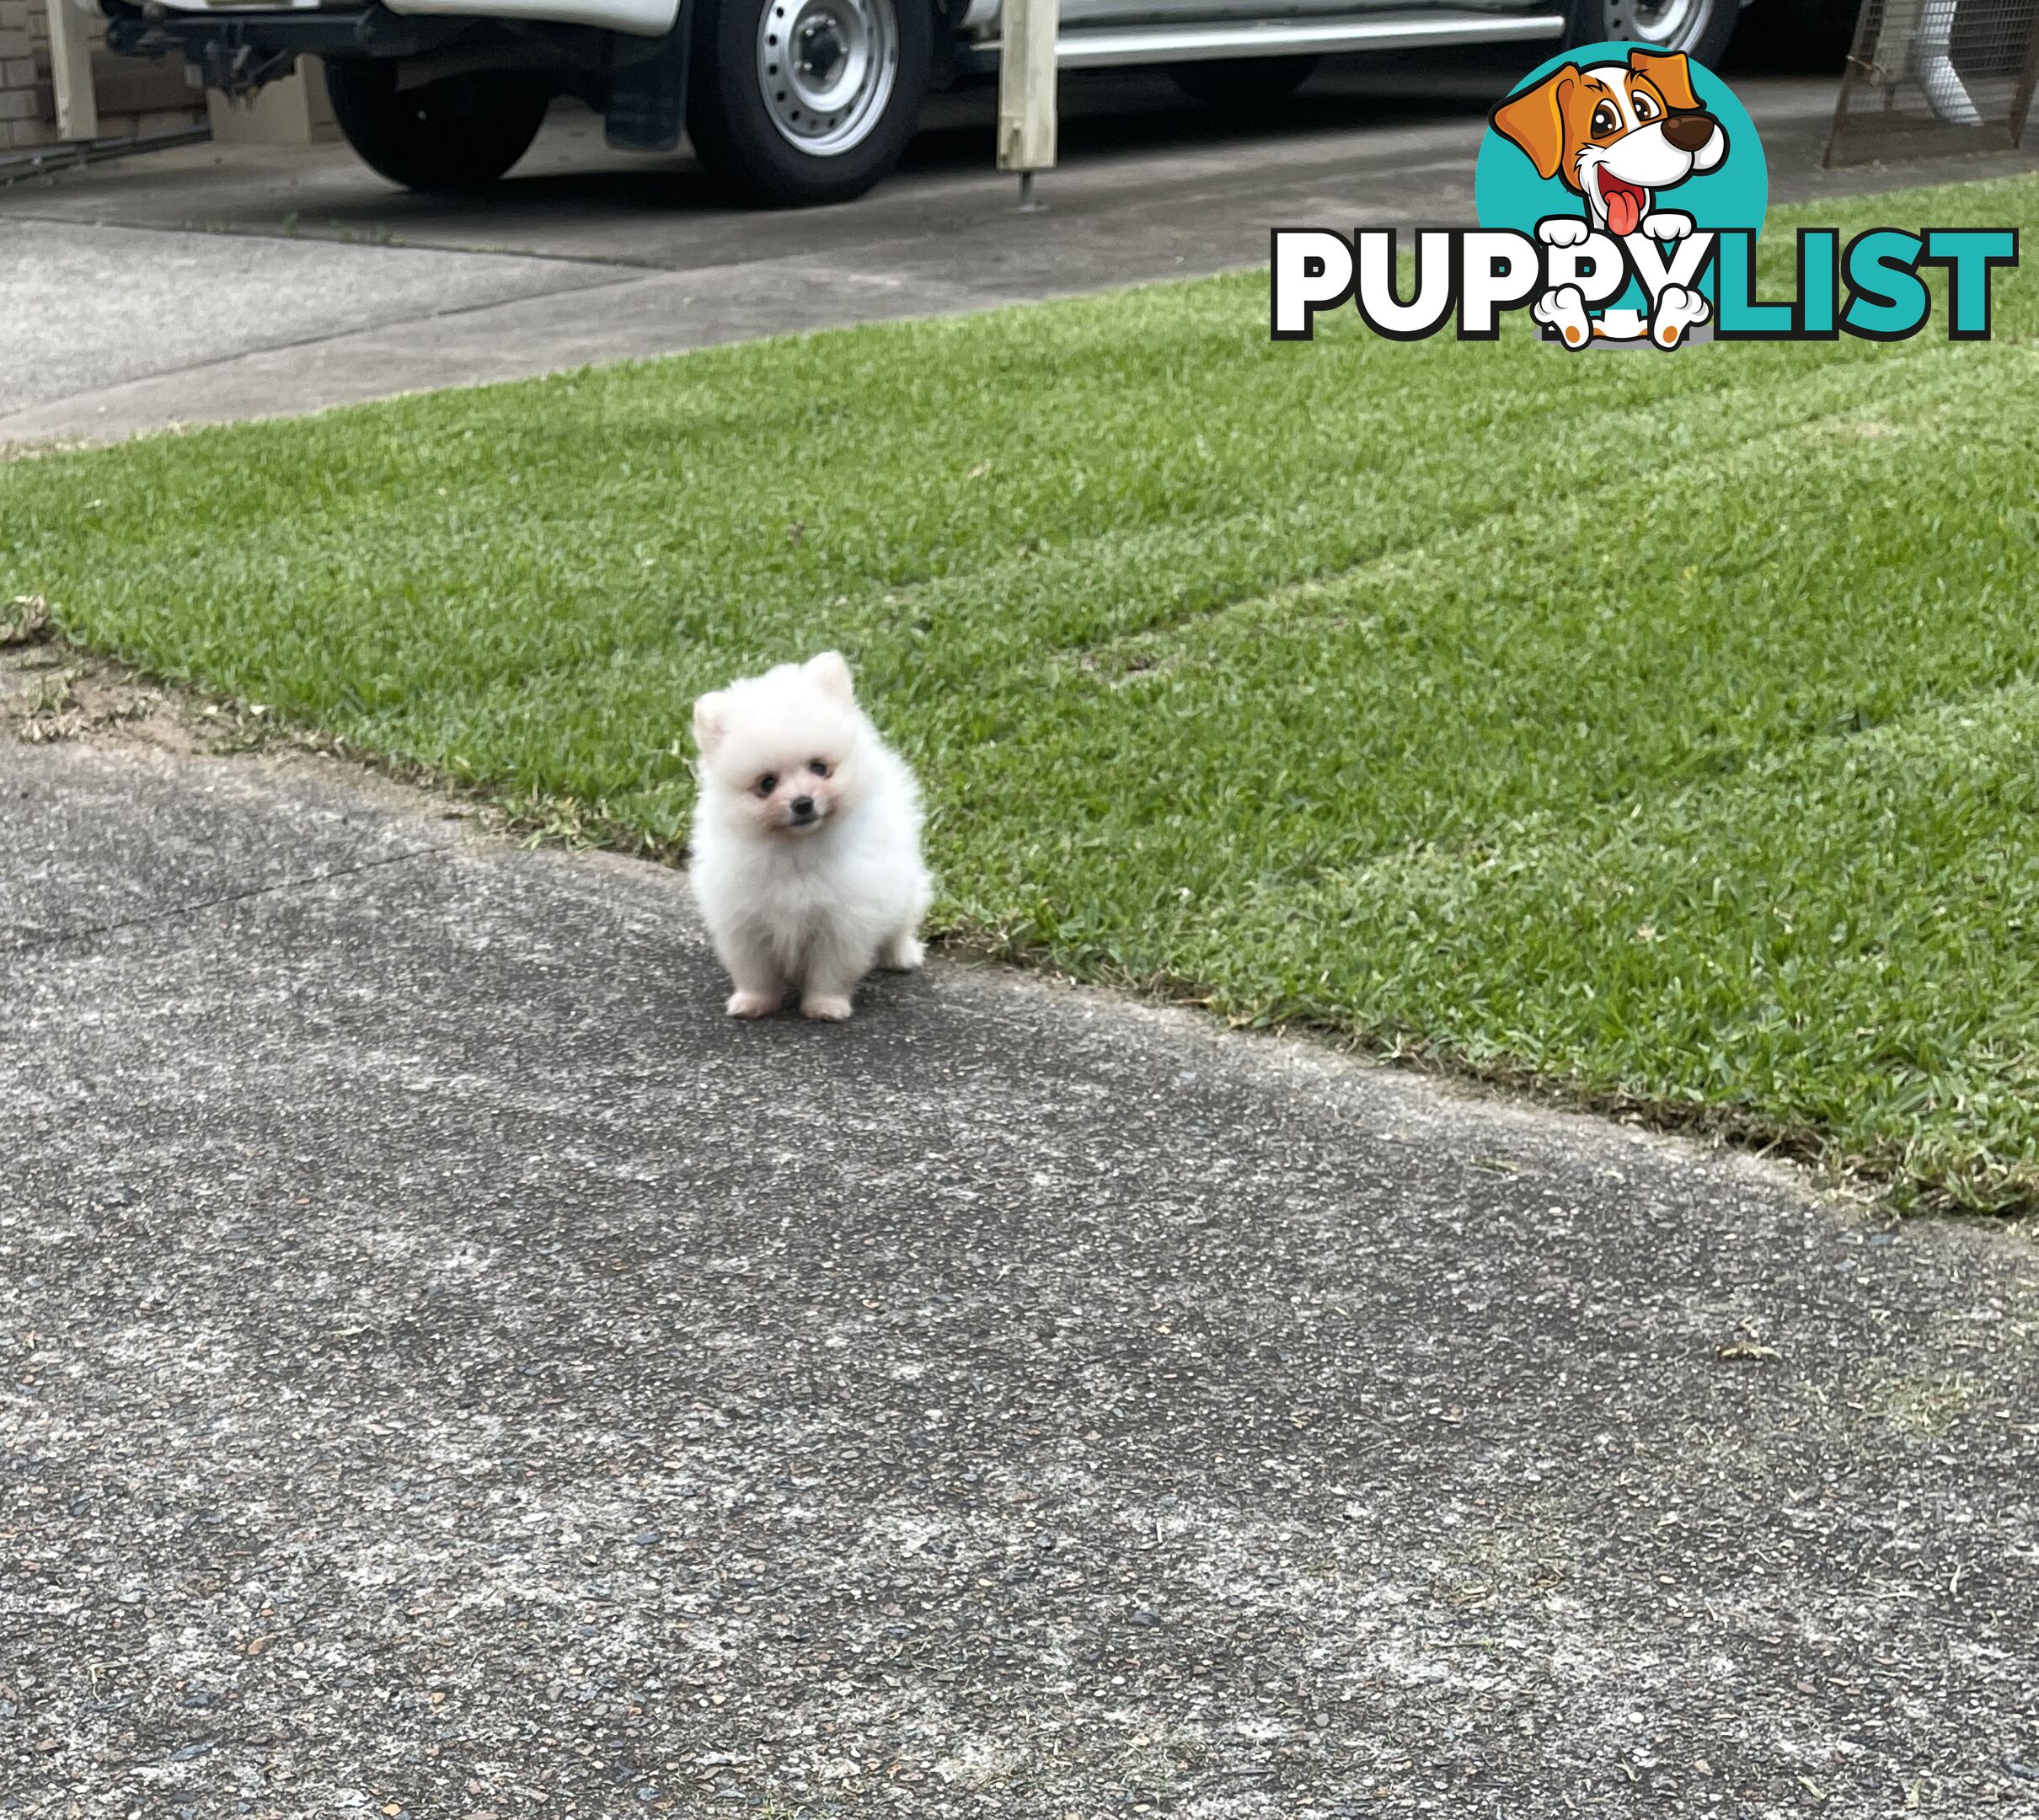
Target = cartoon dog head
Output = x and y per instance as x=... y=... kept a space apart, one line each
x=1616 y=133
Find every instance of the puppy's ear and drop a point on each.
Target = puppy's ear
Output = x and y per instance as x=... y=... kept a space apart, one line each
x=1671 y=74
x=832 y=671
x=1534 y=120
x=710 y=721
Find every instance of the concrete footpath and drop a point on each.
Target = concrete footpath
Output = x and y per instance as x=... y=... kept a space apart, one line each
x=452 y=1370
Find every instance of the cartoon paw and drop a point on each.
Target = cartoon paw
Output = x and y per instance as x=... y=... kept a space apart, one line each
x=1666 y=224
x=1679 y=308
x=1561 y=230
x=1563 y=309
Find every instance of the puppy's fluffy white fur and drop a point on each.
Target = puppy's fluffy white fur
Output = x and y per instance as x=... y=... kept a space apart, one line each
x=806 y=840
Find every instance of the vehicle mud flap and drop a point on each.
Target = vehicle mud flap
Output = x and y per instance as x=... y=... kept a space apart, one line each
x=647 y=98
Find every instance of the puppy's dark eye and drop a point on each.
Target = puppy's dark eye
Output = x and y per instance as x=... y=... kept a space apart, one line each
x=1605 y=120
x=1646 y=108
x=818 y=766
x=768 y=784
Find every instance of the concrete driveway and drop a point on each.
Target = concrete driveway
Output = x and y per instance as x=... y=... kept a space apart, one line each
x=452 y=1370
x=210 y=283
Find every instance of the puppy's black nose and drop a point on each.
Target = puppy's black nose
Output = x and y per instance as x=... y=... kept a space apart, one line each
x=1688 y=132
x=803 y=805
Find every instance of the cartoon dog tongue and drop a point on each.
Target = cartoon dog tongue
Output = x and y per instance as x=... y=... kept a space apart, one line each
x=1624 y=204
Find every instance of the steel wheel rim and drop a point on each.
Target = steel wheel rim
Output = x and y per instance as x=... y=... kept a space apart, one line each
x=1667 y=24
x=827 y=69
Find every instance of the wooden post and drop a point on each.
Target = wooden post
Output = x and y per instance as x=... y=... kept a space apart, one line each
x=77 y=109
x=1026 y=90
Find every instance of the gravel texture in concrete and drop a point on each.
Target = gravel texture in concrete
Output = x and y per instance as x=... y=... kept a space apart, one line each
x=452 y=1370
x=84 y=311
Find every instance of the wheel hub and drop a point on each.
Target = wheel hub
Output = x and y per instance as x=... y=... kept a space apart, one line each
x=820 y=51
x=1668 y=25
x=827 y=68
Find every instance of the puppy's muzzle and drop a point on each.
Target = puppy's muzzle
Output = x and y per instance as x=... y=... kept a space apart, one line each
x=801 y=813
x=1689 y=132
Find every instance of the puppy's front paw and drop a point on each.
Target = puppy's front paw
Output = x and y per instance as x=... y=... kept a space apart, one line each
x=751 y=1005
x=1666 y=224
x=1561 y=230
x=903 y=954
x=830 y=1008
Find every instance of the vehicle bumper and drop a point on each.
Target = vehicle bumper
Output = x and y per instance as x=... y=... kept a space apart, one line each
x=220 y=38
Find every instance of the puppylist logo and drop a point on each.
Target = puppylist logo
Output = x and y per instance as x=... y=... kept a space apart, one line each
x=1619 y=192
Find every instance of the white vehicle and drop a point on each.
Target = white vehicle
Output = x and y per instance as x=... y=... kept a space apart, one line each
x=790 y=101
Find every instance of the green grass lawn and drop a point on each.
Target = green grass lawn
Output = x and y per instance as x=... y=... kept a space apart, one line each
x=1661 y=729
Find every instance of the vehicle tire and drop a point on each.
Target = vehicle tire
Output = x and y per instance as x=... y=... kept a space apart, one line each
x=1800 y=37
x=795 y=102
x=1699 y=28
x=461 y=132
x=1243 y=85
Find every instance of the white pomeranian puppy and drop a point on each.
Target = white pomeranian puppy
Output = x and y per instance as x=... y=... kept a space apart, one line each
x=806 y=840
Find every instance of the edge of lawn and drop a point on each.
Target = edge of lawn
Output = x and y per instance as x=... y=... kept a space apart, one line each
x=1976 y=1185
x=232 y=726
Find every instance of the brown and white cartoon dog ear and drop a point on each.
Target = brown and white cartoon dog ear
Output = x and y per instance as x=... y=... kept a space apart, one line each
x=832 y=671
x=1671 y=74
x=1534 y=120
x=710 y=721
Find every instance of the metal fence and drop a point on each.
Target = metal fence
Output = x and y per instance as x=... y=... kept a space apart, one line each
x=1929 y=75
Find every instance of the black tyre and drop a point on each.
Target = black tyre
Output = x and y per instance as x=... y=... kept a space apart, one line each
x=1243 y=85
x=1699 y=28
x=461 y=132
x=1812 y=37
x=794 y=102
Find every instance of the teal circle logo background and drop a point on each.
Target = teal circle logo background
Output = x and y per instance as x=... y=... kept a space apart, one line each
x=1508 y=192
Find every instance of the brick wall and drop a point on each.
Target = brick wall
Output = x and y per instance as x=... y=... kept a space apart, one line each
x=137 y=99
